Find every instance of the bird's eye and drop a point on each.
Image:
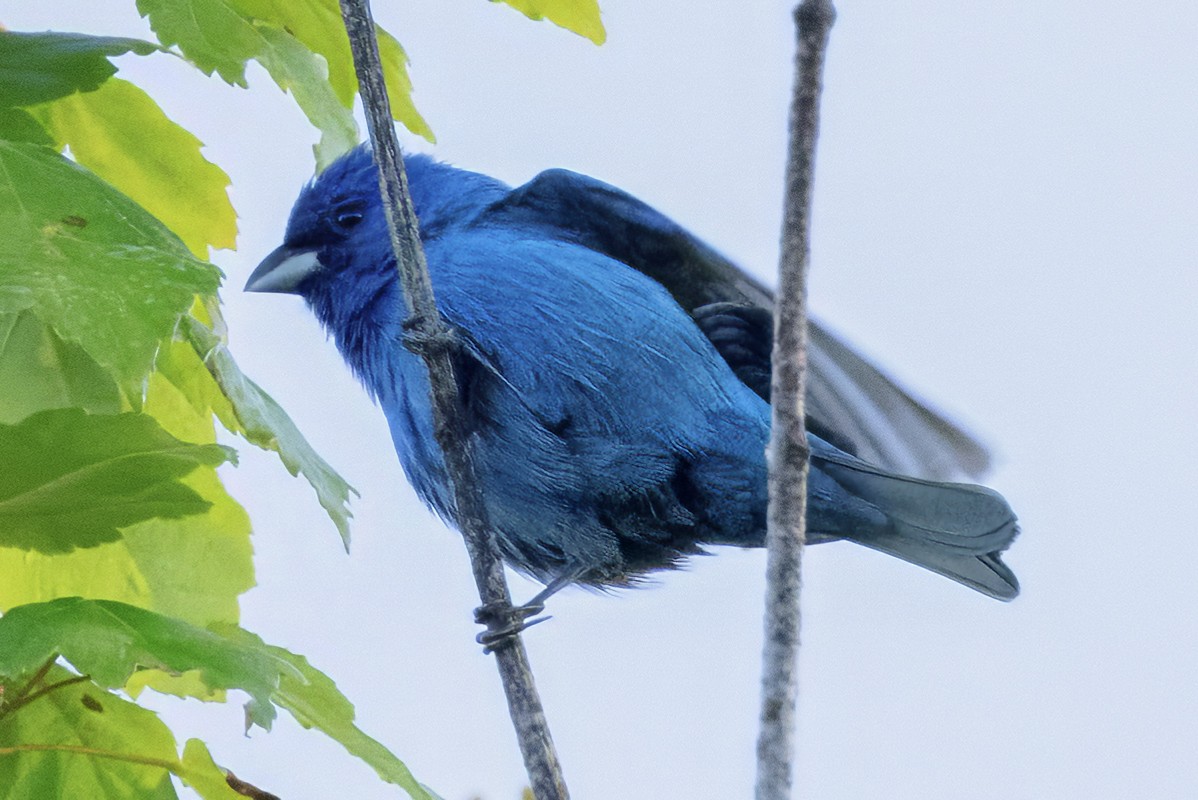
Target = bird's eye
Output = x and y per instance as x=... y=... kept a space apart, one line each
x=346 y=215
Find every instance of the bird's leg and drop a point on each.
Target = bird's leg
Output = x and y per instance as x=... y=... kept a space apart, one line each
x=504 y=622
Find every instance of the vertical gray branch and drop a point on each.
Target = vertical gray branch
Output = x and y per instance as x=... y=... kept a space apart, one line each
x=788 y=450
x=435 y=342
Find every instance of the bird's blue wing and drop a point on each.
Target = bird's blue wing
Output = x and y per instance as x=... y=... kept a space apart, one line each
x=574 y=332
x=598 y=216
x=849 y=398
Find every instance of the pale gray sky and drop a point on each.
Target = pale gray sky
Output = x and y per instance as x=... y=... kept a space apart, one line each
x=1005 y=219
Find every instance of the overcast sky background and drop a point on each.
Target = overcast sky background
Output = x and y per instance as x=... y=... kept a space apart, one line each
x=1005 y=218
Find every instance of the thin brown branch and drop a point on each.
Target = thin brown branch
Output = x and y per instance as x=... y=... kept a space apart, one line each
x=788 y=450
x=435 y=343
x=248 y=789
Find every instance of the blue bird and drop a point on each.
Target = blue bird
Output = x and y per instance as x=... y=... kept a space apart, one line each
x=615 y=380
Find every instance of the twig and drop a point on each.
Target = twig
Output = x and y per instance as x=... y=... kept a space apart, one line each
x=437 y=343
x=788 y=451
x=248 y=789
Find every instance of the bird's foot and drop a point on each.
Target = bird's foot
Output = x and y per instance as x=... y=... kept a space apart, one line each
x=424 y=335
x=505 y=622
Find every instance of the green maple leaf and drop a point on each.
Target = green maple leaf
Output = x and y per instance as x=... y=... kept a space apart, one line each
x=70 y=479
x=36 y=67
x=90 y=262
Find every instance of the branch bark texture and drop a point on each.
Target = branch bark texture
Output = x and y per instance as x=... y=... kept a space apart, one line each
x=435 y=341
x=788 y=449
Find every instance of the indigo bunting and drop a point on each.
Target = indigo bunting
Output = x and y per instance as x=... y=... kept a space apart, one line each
x=615 y=381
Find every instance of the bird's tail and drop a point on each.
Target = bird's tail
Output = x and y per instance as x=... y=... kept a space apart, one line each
x=955 y=529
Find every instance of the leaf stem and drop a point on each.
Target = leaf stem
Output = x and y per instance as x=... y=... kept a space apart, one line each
x=23 y=696
x=788 y=450
x=174 y=767
x=436 y=344
x=37 y=677
x=133 y=758
x=45 y=690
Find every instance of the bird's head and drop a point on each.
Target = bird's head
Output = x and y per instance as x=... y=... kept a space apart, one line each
x=336 y=253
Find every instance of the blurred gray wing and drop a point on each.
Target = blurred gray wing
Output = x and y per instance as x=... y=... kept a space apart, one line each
x=890 y=427
x=847 y=396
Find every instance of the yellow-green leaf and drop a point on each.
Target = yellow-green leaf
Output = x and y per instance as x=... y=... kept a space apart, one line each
x=579 y=16
x=399 y=85
x=80 y=741
x=297 y=69
x=109 y=641
x=121 y=134
x=318 y=25
x=316 y=702
x=264 y=423
x=200 y=772
x=193 y=568
x=222 y=35
x=185 y=684
x=210 y=33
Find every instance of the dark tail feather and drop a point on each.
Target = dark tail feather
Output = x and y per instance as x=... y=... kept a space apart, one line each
x=955 y=529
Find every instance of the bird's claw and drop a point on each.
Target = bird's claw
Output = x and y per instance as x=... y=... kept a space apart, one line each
x=421 y=335
x=505 y=622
